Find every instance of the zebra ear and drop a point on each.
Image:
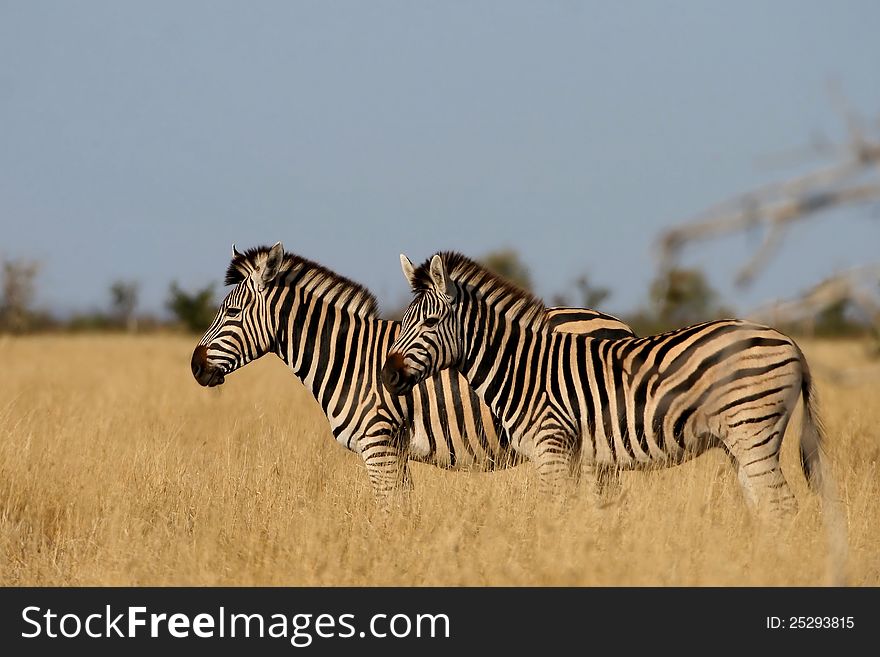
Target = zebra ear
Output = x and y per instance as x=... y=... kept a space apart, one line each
x=409 y=272
x=440 y=279
x=273 y=263
x=235 y=252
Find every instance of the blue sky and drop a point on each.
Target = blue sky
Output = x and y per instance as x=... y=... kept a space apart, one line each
x=139 y=140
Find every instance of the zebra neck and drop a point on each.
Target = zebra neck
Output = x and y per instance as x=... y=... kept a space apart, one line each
x=500 y=357
x=331 y=350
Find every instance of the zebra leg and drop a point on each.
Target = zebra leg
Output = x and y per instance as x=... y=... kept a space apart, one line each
x=608 y=484
x=755 y=453
x=603 y=482
x=749 y=491
x=385 y=461
x=553 y=460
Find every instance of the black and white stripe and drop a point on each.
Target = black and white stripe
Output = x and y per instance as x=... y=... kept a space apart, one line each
x=325 y=328
x=629 y=403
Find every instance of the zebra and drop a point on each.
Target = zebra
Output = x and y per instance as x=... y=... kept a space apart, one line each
x=622 y=404
x=326 y=329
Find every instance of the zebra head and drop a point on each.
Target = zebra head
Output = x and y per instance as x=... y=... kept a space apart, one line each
x=429 y=338
x=243 y=329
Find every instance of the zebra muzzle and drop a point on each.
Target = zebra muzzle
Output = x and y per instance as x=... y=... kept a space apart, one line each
x=394 y=375
x=203 y=371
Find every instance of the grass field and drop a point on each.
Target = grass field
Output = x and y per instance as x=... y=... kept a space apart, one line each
x=116 y=468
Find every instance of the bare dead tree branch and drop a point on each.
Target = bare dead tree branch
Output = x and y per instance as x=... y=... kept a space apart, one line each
x=779 y=217
x=858 y=286
x=774 y=207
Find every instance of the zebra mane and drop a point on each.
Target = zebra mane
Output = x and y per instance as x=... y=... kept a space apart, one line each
x=338 y=290
x=475 y=279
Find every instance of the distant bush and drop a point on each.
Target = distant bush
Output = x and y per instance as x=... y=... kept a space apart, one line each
x=123 y=302
x=194 y=310
x=508 y=264
x=19 y=290
x=585 y=295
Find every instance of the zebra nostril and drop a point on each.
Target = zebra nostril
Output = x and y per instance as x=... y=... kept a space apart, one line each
x=199 y=363
x=390 y=374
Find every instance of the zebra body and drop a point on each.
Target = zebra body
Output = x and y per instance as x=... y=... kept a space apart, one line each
x=627 y=403
x=324 y=327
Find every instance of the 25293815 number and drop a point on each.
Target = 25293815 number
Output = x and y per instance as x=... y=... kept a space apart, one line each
x=821 y=622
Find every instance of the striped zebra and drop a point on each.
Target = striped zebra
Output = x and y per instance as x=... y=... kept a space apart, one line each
x=630 y=403
x=325 y=328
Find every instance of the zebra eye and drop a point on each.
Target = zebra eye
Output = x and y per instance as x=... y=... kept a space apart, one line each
x=431 y=321
x=233 y=312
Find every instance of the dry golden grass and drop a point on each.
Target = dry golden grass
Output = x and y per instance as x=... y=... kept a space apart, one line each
x=116 y=468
